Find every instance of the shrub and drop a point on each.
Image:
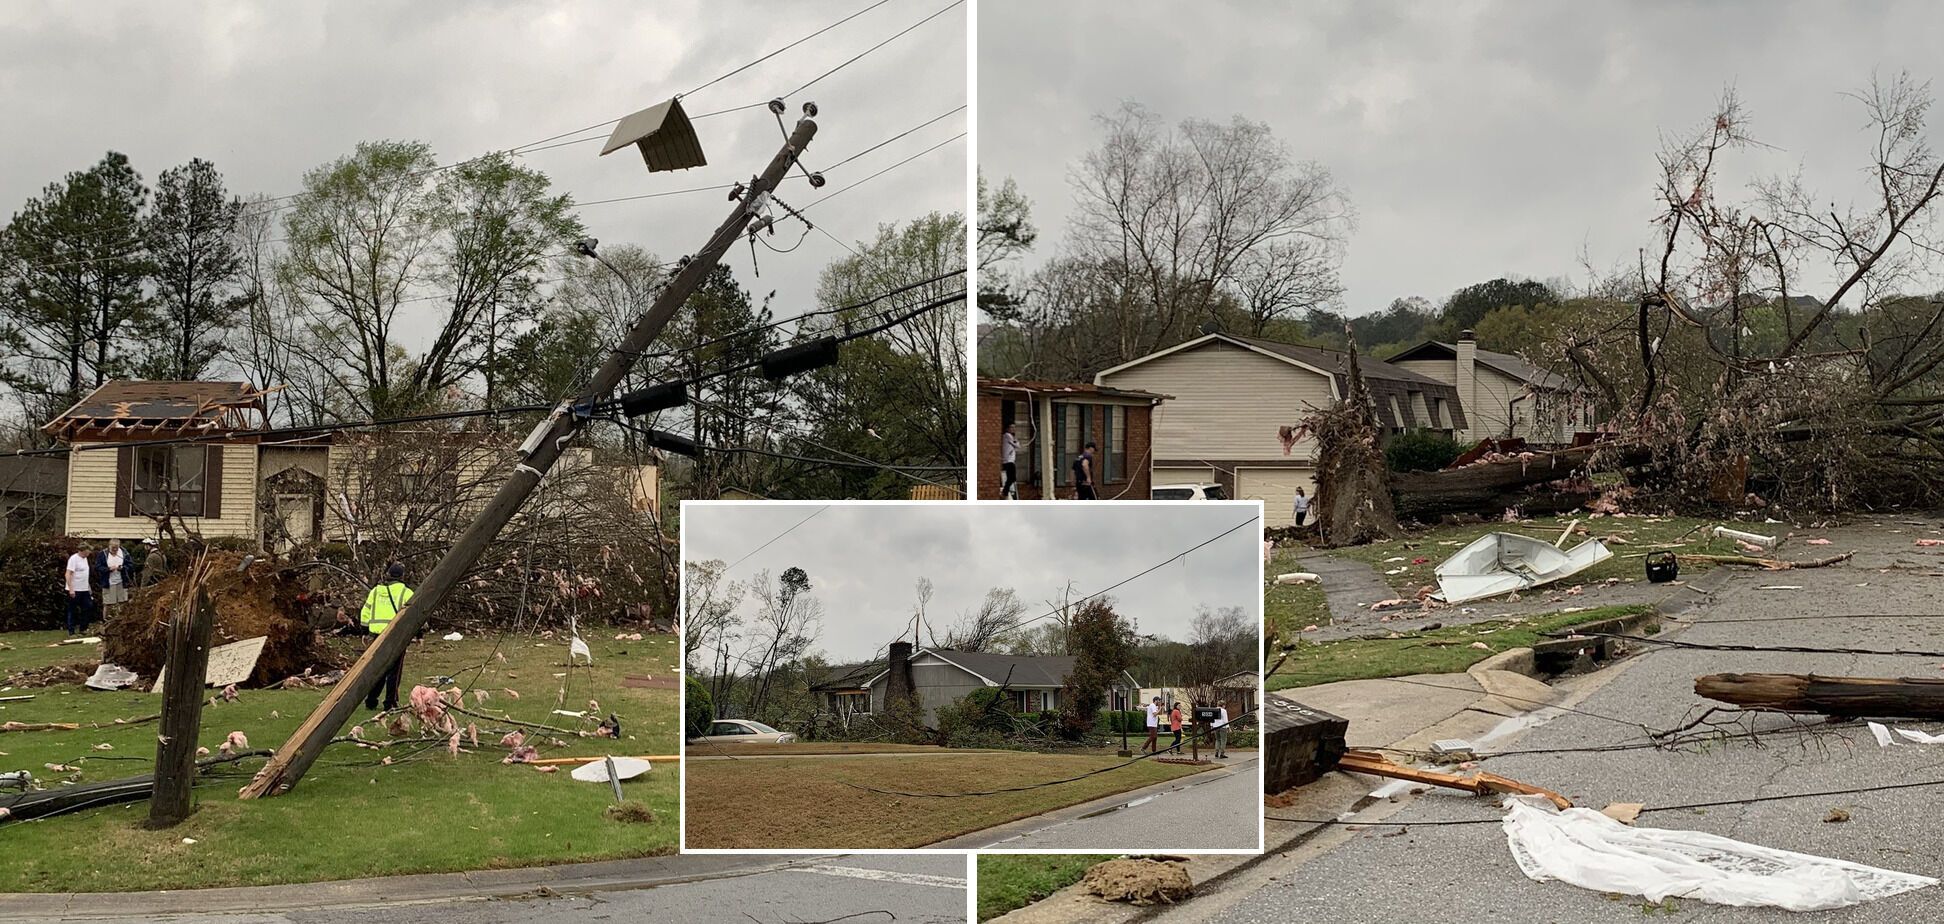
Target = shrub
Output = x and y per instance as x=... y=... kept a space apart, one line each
x=698 y=710
x=31 y=580
x=1420 y=451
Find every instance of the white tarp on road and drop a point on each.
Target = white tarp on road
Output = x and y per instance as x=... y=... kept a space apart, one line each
x=1587 y=849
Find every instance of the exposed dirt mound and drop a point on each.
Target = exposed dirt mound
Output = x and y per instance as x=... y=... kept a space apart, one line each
x=50 y=676
x=261 y=601
x=1142 y=882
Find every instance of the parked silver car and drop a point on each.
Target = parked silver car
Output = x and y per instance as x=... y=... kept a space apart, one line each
x=743 y=731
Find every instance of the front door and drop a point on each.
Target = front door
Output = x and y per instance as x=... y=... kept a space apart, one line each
x=294 y=513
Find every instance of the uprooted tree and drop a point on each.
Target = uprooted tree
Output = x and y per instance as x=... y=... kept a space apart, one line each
x=1353 y=494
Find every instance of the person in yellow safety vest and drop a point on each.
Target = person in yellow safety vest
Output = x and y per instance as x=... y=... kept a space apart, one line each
x=381 y=606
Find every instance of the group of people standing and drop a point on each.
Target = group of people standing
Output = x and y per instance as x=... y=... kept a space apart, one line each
x=1172 y=717
x=1083 y=467
x=106 y=575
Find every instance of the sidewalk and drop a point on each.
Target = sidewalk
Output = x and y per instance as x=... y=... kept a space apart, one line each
x=604 y=876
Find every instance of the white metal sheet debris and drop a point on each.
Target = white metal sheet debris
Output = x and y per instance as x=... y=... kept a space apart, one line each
x=228 y=664
x=1499 y=563
x=1590 y=850
x=109 y=677
x=626 y=768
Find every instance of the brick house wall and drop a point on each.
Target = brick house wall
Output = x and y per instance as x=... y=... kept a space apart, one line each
x=1133 y=484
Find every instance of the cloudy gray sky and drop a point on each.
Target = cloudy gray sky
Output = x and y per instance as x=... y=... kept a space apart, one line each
x=863 y=559
x=269 y=90
x=1476 y=139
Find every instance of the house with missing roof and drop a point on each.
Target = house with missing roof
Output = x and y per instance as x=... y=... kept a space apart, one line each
x=938 y=677
x=1232 y=397
x=194 y=453
x=142 y=451
x=1504 y=396
x=1053 y=422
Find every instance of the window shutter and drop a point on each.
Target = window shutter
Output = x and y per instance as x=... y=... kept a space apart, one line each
x=124 y=480
x=213 y=481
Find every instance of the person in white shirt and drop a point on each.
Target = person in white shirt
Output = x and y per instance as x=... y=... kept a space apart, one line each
x=1008 y=459
x=1221 y=732
x=80 y=608
x=112 y=571
x=1302 y=506
x=1153 y=726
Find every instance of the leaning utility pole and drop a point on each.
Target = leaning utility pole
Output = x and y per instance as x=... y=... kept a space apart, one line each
x=542 y=447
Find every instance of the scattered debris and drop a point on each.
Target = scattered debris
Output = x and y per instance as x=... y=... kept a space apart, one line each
x=1836 y=816
x=108 y=676
x=1760 y=542
x=1298 y=577
x=1498 y=563
x=1377 y=764
x=1623 y=812
x=626 y=812
x=1770 y=564
x=595 y=770
x=453 y=637
x=53 y=675
x=1593 y=851
x=1138 y=881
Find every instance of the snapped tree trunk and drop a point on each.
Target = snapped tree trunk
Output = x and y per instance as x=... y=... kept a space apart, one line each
x=1352 y=481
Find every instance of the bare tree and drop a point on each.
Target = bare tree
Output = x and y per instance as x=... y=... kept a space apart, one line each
x=981 y=629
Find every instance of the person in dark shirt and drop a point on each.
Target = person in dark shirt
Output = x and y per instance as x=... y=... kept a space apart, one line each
x=1083 y=481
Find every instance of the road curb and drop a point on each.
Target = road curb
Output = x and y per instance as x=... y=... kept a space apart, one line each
x=482 y=885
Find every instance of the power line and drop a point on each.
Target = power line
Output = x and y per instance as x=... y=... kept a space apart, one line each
x=925 y=124
x=800 y=437
x=882 y=172
x=773 y=539
x=1163 y=564
x=783 y=49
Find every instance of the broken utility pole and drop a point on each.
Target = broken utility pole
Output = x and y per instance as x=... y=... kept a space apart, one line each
x=542 y=447
x=182 y=700
x=1838 y=697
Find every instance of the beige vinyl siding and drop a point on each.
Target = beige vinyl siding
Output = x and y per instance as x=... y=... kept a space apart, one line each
x=1276 y=488
x=480 y=473
x=1486 y=409
x=1197 y=475
x=1228 y=402
x=91 y=496
x=1444 y=370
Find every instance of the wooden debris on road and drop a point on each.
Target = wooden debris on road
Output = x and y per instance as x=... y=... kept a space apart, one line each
x=1770 y=564
x=1480 y=783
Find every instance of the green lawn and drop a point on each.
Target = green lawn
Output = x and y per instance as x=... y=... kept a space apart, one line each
x=1637 y=536
x=1011 y=881
x=353 y=814
x=1442 y=651
x=1289 y=608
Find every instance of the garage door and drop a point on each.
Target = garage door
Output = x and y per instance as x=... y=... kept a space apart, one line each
x=1183 y=475
x=1276 y=488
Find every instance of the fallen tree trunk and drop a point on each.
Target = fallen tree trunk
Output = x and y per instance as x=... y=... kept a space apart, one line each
x=1490 y=487
x=1841 y=697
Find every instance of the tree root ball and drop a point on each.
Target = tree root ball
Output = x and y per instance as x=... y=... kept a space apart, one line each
x=1141 y=882
x=260 y=601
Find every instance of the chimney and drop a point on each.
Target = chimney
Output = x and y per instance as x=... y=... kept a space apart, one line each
x=897 y=683
x=1466 y=381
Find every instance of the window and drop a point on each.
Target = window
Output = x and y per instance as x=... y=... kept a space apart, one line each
x=729 y=728
x=169 y=480
x=850 y=702
x=1115 y=467
x=1074 y=424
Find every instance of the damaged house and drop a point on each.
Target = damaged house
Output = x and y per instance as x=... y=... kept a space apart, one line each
x=937 y=677
x=1504 y=396
x=1233 y=397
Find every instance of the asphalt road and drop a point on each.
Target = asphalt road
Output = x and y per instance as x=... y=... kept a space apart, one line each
x=1467 y=873
x=907 y=889
x=1214 y=810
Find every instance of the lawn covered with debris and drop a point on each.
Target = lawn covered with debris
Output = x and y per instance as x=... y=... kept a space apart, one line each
x=813 y=802
x=390 y=807
x=1447 y=650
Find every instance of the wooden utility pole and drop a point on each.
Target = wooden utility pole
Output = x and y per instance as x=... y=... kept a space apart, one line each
x=1841 y=697
x=542 y=447
x=182 y=701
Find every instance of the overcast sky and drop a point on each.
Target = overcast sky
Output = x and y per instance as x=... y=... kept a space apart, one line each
x=269 y=90
x=1476 y=139
x=863 y=559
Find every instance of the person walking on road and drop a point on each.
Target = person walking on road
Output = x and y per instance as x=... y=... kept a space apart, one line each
x=1153 y=726
x=1221 y=732
x=80 y=593
x=1083 y=472
x=1302 y=507
x=381 y=606
x=1008 y=462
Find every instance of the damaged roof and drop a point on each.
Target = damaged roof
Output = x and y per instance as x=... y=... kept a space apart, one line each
x=1504 y=362
x=1001 y=669
x=134 y=409
x=1056 y=389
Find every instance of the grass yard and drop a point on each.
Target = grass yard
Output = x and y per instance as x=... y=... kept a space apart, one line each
x=352 y=815
x=1008 y=882
x=802 y=748
x=1441 y=651
x=806 y=804
x=1396 y=559
x=1288 y=608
